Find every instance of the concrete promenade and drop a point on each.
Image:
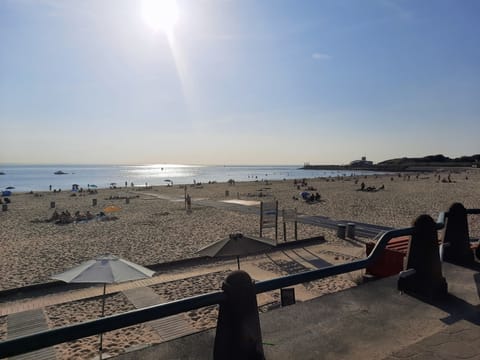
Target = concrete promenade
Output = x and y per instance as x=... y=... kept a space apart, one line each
x=371 y=321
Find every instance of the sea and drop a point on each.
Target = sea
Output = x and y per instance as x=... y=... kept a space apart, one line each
x=25 y=178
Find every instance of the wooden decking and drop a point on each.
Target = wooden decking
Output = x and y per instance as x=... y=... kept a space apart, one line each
x=27 y=323
x=168 y=328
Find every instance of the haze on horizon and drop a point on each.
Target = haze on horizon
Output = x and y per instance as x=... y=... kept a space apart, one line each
x=237 y=81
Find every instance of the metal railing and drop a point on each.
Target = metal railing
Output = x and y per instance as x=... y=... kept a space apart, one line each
x=59 y=335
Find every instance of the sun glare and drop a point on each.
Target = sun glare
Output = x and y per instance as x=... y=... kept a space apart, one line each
x=160 y=15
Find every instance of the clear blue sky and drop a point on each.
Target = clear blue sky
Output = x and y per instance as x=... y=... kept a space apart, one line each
x=238 y=81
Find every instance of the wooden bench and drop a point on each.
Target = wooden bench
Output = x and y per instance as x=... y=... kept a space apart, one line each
x=392 y=260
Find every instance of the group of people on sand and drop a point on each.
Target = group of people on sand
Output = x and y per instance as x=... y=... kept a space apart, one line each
x=309 y=197
x=302 y=183
x=65 y=217
x=363 y=187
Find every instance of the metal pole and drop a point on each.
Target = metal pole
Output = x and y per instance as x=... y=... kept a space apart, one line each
x=261 y=218
x=296 y=229
x=103 y=313
x=276 y=222
x=185 y=196
x=238 y=262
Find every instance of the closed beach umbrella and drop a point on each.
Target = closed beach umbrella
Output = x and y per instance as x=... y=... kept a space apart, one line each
x=106 y=269
x=236 y=245
x=111 y=209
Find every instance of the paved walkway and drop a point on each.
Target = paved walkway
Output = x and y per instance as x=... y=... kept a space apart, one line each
x=460 y=341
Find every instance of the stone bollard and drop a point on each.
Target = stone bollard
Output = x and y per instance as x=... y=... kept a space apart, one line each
x=351 y=230
x=238 y=335
x=423 y=272
x=94 y=202
x=52 y=204
x=341 y=228
x=127 y=200
x=227 y=193
x=4 y=207
x=455 y=237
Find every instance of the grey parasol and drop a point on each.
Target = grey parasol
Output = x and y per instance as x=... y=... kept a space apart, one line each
x=236 y=245
x=106 y=269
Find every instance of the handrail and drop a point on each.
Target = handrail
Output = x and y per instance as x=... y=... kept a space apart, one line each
x=59 y=335
x=24 y=344
x=311 y=275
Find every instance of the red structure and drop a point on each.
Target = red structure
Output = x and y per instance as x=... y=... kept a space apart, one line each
x=392 y=259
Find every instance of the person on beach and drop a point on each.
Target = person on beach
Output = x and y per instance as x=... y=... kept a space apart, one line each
x=55 y=216
x=188 y=201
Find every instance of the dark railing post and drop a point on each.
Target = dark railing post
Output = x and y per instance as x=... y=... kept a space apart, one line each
x=423 y=275
x=455 y=237
x=238 y=334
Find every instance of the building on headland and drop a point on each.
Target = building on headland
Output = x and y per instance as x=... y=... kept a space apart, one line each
x=362 y=162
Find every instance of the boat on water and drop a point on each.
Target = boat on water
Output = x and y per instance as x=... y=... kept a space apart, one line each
x=2 y=173
x=60 y=172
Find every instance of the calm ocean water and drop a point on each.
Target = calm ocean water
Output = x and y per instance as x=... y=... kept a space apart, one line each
x=40 y=177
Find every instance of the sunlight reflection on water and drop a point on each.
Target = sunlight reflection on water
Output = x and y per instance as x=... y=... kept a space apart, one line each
x=40 y=177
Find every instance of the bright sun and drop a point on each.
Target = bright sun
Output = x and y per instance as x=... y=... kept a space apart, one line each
x=160 y=14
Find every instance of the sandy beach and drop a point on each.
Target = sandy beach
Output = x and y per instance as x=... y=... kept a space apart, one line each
x=154 y=227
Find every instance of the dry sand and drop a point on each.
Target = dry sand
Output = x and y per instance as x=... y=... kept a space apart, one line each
x=151 y=230
x=114 y=342
x=154 y=228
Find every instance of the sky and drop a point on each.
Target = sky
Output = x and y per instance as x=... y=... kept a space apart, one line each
x=237 y=81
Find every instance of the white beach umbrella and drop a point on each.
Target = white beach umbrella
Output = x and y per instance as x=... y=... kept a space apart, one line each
x=106 y=269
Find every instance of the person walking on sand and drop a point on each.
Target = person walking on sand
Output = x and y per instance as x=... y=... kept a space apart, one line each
x=188 y=201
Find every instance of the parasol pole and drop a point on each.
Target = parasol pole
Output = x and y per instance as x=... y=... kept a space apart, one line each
x=103 y=313
x=238 y=262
